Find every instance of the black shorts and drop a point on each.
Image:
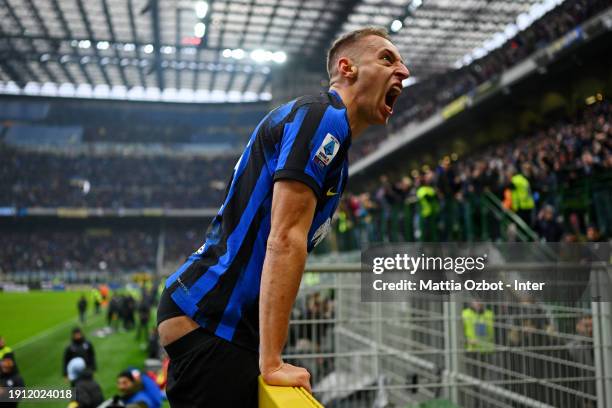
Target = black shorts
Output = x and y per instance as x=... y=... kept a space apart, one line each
x=167 y=309
x=208 y=371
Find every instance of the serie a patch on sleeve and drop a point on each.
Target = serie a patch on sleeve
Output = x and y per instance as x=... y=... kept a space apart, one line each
x=327 y=150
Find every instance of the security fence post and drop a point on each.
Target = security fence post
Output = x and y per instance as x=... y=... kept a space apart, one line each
x=602 y=343
x=451 y=346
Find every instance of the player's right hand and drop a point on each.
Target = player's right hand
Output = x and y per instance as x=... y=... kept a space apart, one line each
x=288 y=375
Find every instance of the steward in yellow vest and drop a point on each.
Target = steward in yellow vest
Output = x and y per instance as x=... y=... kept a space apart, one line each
x=478 y=328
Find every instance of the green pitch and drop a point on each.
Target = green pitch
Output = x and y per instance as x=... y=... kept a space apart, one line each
x=37 y=326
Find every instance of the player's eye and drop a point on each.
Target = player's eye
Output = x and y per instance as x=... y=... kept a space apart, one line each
x=388 y=58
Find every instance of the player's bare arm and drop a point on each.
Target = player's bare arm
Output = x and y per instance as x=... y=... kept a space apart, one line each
x=293 y=206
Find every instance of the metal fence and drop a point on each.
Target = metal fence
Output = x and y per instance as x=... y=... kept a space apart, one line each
x=419 y=353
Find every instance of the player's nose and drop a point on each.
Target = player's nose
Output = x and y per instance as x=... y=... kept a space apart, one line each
x=402 y=72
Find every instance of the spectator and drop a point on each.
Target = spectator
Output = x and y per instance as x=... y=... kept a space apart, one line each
x=112 y=314
x=575 y=228
x=9 y=377
x=74 y=368
x=593 y=234
x=479 y=331
x=144 y=313
x=82 y=307
x=139 y=390
x=478 y=327
x=87 y=392
x=128 y=308
x=549 y=229
x=522 y=199
x=79 y=347
x=387 y=196
x=5 y=351
x=428 y=209
x=581 y=351
x=97 y=300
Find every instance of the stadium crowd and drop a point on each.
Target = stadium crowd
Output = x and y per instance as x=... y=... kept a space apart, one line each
x=47 y=180
x=428 y=96
x=44 y=250
x=534 y=176
x=30 y=179
x=115 y=250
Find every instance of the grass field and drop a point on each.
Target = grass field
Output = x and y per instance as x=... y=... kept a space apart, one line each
x=37 y=326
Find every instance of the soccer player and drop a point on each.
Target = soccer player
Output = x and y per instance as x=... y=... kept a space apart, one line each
x=224 y=315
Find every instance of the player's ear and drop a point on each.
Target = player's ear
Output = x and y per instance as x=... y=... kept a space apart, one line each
x=347 y=68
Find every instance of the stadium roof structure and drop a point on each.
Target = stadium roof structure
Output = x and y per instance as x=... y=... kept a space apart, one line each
x=227 y=50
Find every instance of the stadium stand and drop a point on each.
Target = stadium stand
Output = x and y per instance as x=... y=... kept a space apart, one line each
x=569 y=158
x=32 y=135
x=566 y=159
x=429 y=96
x=59 y=180
x=103 y=121
x=85 y=250
x=90 y=253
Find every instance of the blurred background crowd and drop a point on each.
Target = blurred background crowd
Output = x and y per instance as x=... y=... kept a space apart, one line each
x=56 y=180
x=427 y=97
x=555 y=179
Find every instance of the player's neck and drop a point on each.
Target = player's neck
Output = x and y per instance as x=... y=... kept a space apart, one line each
x=355 y=122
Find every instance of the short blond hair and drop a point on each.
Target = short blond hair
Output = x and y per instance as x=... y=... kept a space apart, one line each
x=349 y=39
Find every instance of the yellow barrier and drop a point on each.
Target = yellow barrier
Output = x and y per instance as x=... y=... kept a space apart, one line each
x=285 y=397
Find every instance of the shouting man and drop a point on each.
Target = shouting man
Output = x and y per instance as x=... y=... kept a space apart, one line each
x=224 y=315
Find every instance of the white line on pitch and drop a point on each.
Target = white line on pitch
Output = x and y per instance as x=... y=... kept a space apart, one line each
x=45 y=333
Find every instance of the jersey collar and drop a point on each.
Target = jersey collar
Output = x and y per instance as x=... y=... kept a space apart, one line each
x=337 y=102
x=336 y=97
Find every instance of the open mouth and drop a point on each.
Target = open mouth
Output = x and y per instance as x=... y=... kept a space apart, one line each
x=391 y=97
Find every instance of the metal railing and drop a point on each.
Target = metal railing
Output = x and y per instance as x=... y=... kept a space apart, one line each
x=416 y=354
x=508 y=219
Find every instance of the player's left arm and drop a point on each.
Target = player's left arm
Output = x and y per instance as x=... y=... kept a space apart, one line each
x=293 y=206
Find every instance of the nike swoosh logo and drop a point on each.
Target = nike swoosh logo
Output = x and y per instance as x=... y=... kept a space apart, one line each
x=330 y=193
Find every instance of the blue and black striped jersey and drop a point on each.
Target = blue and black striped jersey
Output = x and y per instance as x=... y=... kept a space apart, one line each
x=307 y=140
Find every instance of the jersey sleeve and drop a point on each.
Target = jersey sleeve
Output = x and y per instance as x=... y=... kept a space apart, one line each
x=310 y=143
